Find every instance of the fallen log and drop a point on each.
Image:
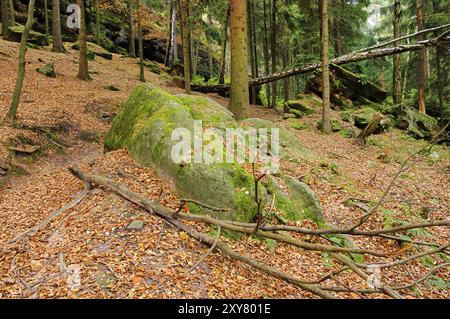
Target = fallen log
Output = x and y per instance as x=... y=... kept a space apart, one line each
x=348 y=58
x=168 y=215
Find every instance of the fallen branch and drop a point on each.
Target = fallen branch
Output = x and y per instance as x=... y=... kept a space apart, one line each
x=168 y=214
x=32 y=231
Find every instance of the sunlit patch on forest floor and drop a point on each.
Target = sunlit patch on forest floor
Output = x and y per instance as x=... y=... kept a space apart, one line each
x=90 y=250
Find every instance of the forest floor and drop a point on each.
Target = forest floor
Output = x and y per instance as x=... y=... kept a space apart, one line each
x=88 y=252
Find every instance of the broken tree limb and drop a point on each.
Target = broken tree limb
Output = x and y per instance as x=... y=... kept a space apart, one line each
x=167 y=214
x=171 y=217
x=362 y=137
x=408 y=36
x=78 y=198
x=347 y=58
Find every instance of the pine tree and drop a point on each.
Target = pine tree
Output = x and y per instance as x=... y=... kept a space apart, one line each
x=326 y=120
x=421 y=62
x=131 y=44
x=186 y=55
x=239 y=101
x=58 y=45
x=397 y=80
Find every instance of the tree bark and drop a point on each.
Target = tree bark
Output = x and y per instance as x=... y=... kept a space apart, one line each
x=97 y=24
x=397 y=78
x=83 y=68
x=131 y=43
x=273 y=50
x=239 y=101
x=421 y=62
x=208 y=37
x=186 y=55
x=266 y=52
x=46 y=25
x=12 y=19
x=345 y=59
x=5 y=18
x=224 y=47
x=251 y=35
x=326 y=117
x=140 y=42
x=58 y=45
x=12 y=112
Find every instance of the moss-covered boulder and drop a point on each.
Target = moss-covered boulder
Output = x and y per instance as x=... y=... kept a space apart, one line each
x=36 y=38
x=417 y=124
x=47 y=70
x=152 y=66
x=94 y=49
x=145 y=127
x=295 y=199
x=362 y=117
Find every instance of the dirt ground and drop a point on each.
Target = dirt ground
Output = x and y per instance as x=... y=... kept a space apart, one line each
x=88 y=252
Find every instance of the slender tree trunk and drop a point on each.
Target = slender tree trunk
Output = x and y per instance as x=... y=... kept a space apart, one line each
x=224 y=47
x=421 y=64
x=397 y=78
x=186 y=56
x=208 y=37
x=273 y=50
x=12 y=19
x=254 y=44
x=83 y=68
x=58 y=45
x=326 y=120
x=438 y=51
x=250 y=35
x=12 y=112
x=140 y=42
x=266 y=51
x=239 y=102
x=97 y=23
x=46 y=25
x=337 y=28
x=5 y=18
x=131 y=42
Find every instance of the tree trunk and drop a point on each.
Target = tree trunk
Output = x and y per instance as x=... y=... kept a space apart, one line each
x=58 y=45
x=5 y=18
x=131 y=42
x=438 y=51
x=421 y=63
x=326 y=119
x=266 y=51
x=251 y=35
x=397 y=78
x=208 y=37
x=239 y=102
x=140 y=42
x=273 y=50
x=12 y=19
x=185 y=36
x=97 y=24
x=12 y=112
x=83 y=69
x=224 y=47
x=46 y=25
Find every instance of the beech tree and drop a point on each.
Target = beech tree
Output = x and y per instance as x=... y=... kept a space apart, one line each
x=83 y=69
x=239 y=100
x=58 y=45
x=11 y=116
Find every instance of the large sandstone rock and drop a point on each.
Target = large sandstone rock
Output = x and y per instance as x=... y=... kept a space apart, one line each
x=145 y=126
x=36 y=38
